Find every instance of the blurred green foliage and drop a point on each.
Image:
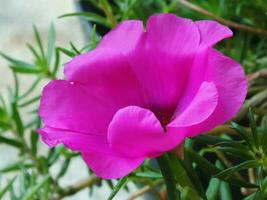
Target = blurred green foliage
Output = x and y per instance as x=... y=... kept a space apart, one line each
x=215 y=166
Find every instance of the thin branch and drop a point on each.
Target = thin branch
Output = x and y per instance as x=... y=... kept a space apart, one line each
x=252 y=102
x=221 y=129
x=144 y=190
x=71 y=190
x=256 y=75
x=140 y=192
x=222 y=20
x=105 y=6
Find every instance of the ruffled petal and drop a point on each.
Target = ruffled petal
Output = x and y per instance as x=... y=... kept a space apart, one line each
x=124 y=36
x=163 y=57
x=230 y=81
x=136 y=132
x=199 y=108
x=109 y=166
x=212 y=32
x=172 y=34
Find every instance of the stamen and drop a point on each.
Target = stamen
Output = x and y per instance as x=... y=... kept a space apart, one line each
x=164 y=120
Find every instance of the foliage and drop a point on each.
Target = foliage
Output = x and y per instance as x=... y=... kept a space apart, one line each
x=228 y=163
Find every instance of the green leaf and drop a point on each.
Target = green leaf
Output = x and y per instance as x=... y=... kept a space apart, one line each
x=39 y=42
x=20 y=66
x=210 y=140
x=16 y=82
x=213 y=187
x=32 y=191
x=182 y=177
x=192 y=172
x=149 y=174
x=218 y=141
x=4 y=113
x=253 y=127
x=92 y=17
x=12 y=142
x=107 y=9
x=110 y=184
x=2 y=102
x=51 y=43
x=75 y=49
x=7 y=187
x=208 y=168
x=34 y=141
x=30 y=101
x=226 y=145
x=31 y=88
x=15 y=166
x=4 y=125
x=164 y=165
x=24 y=180
x=117 y=187
x=54 y=154
x=186 y=194
x=261 y=192
x=64 y=168
x=26 y=69
x=225 y=174
x=94 y=38
x=17 y=119
x=34 y=53
x=57 y=62
x=43 y=164
x=16 y=62
x=13 y=196
x=225 y=191
x=252 y=196
x=66 y=52
x=244 y=134
x=239 y=153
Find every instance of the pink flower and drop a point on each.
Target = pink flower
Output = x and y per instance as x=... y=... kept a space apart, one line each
x=141 y=93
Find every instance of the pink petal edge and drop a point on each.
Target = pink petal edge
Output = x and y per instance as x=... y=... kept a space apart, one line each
x=111 y=167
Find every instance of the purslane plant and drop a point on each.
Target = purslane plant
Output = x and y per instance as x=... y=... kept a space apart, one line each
x=228 y=162
x=142 y=93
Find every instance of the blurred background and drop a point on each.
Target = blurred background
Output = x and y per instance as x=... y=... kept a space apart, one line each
x=17 y=18
x=20 y=67
x=16 y=24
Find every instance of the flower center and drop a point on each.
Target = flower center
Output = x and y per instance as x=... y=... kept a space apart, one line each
x=164 y=119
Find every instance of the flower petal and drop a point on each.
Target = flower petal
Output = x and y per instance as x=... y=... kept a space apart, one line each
x=212 y=32
x=136 y=131
x=109 y=166
x=230 y=81
x=107 y=75
x=95 y=150
x=163 y=57
x=99 y=83
x=124 y=36
x=76 y=141
x=172 y=34
x=199 y=109
x=70 y=106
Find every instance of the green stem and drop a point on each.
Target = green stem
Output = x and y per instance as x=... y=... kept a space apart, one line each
x=89 y=182
x=166 y=171
x=108 y=12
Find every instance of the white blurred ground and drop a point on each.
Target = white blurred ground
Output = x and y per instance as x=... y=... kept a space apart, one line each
x=16 y=20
